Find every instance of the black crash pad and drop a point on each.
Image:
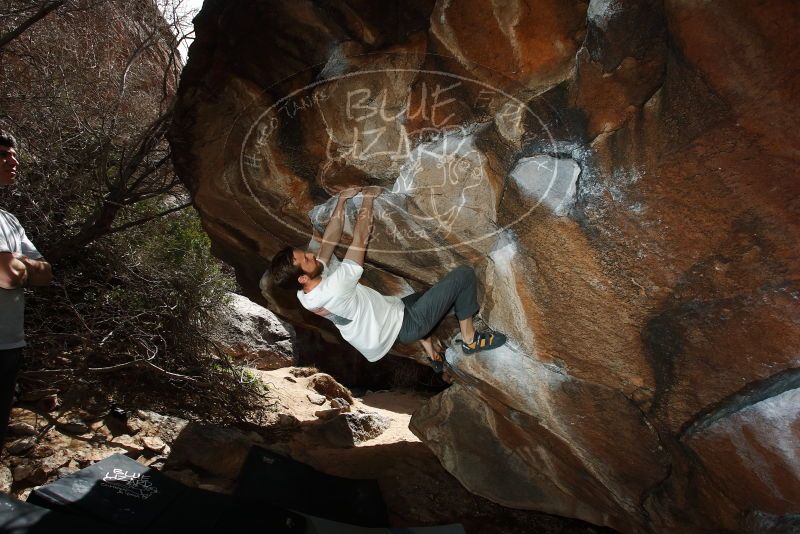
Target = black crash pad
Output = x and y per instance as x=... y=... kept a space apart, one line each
x=117 y=490
x=275 y=495
x=281 y=481
x=122 y=492
x=18 y=517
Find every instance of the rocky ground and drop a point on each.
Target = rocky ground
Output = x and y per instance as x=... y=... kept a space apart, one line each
x=315 y=420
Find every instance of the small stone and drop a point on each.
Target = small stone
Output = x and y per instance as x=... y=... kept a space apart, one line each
x=24 y=415
x=20 y=428
x=90 y=456
x=6 y=479
x=290 y=379
x=330 y=413
x=52 y=463
x=351 y=429
x=303 y=372
x=22 y=472
x=135 y=425
x=153 y=443
x=316 y=398
x=158 y=464
x=14 y=461
x=95 y=409
x=43 y=451
x=339 y=403
x=103 y=431
x=73 y=426
x=150 y=461
x=325 y=384
x=285 y=419
x=126 y=441
x=21 y=446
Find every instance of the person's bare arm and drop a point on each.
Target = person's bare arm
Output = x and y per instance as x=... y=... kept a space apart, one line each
x=358 y=248
x=13 y=272
x=17 y=270
x=39 y=271
x=335 y=227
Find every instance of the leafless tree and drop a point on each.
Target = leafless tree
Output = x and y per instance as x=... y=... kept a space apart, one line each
x=87 y=87
x=38 y=12
x=89 y=91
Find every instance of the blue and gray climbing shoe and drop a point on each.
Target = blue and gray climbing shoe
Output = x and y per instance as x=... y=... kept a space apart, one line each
x=484 y=341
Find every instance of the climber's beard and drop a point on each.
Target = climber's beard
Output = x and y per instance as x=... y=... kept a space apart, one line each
x=317 y=270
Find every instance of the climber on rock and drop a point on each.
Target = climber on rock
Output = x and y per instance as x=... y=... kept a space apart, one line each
x=369 y=321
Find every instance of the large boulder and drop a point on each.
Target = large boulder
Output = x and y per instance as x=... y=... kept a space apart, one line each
x=622 y=177
x=254 y=336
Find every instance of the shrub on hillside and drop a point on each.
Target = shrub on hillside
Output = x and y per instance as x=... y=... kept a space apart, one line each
x=88 y=92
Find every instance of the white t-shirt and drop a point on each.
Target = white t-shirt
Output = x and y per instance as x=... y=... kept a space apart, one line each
x=12 y=301
x=367 y=320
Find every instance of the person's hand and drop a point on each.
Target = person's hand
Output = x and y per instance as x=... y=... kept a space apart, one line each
x=349 y=193
x=372 y=191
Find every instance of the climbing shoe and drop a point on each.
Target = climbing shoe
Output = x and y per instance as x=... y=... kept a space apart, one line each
x=484 y=341
x=438 y=365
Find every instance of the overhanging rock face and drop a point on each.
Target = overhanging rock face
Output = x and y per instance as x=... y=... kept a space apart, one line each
x=622 y=177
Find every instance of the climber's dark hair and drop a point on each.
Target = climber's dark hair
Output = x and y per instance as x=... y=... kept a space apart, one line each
x=6 y=139
x=283 y=272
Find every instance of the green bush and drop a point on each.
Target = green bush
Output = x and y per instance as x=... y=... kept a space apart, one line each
x=134 y=319
x=131 y=312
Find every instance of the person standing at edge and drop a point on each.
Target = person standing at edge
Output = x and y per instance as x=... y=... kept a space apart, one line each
x=21 y=265
x=368 y=320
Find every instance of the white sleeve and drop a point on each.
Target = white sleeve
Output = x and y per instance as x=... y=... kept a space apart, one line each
x=7 y=237
x=345 y=277
x=6 y=243
x=28 y=248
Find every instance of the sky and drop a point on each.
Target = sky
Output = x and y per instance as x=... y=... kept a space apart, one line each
x=189 y=7
x=194 y=4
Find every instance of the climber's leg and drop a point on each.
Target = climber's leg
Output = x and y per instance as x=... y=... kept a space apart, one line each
x=436 y=359
x=427 y=344
x=424 y=310
x=467 y=328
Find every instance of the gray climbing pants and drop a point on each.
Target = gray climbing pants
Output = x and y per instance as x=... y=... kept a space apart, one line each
x=458 y=290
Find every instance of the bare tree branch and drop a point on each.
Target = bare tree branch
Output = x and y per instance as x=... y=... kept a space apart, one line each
x=147 y=219
x=44 y=10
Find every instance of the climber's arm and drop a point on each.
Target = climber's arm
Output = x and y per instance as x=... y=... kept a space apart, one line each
x=358 y=248
x=335 y=227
